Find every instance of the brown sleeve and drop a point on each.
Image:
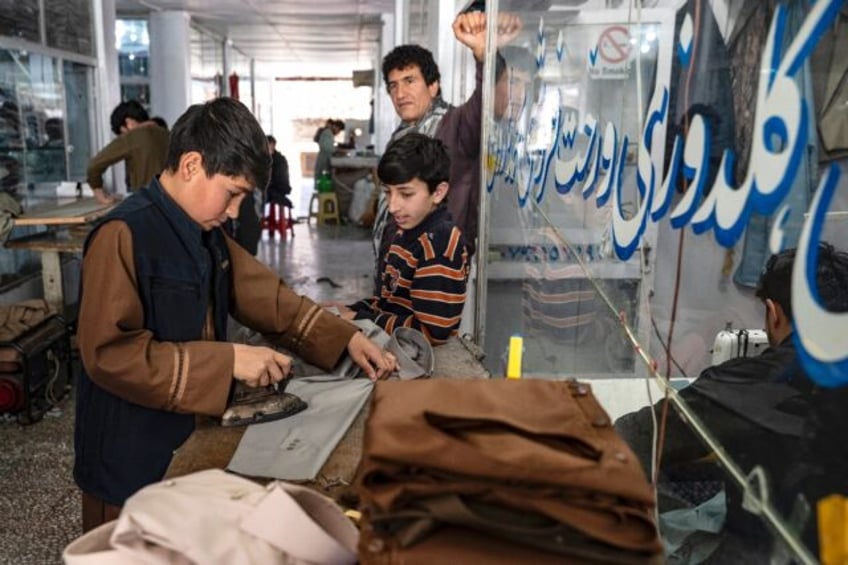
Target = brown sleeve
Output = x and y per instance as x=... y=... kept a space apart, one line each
x=117 y=150
x=263 y=302
x=122 y=357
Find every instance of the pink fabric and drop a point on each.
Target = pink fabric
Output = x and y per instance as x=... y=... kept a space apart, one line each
x=217 y=517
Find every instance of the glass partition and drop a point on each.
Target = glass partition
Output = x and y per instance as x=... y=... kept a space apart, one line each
x=69 y=25
x=557 y=121
x=33 y=120
x=79 y=86
x=642 y=166
x=45 y=135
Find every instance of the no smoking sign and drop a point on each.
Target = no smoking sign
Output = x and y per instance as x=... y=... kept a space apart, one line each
x=610 y=57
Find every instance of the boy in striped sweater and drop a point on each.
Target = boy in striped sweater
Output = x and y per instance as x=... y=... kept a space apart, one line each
x=425 y=271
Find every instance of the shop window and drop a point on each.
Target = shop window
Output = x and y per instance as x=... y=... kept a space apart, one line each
x=133 y=45
x=69 y=25
x=20 y=20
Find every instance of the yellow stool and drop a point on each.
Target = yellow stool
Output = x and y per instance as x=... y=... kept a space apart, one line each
x=328 y=207
x=313 y=211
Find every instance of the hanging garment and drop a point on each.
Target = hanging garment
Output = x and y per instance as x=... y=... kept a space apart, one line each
x=699 y=85
x=830 y=68
x=756 y=250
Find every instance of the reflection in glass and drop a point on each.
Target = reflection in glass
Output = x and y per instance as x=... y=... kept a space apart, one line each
x=132 y=42
x=78 y=88
x=20 y=19
x=32 y=129
x=541 y=230
x=140 y=92
x=70 y=26
x=38 y=140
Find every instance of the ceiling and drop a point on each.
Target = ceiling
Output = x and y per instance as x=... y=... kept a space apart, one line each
x=298 y=34
x=319 y=37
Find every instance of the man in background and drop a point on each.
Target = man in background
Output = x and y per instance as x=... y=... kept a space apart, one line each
x=279 y=187
x=515 y=71
x=326 y=139
x=141 y=143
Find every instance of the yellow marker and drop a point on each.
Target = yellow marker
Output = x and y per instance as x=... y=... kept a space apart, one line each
x=513 y=364
x=833 y=529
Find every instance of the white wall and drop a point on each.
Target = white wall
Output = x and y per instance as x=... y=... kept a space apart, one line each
x=108 y=86
x=170 y=64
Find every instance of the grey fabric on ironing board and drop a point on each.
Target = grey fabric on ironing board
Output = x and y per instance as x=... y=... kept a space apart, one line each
x=414 y=354
x=346 y=368
x=295 y=448
x=300 y=368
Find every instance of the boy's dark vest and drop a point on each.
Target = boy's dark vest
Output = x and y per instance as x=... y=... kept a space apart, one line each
x=121 y=446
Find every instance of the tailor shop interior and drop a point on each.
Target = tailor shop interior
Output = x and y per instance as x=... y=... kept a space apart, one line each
x=644 y=224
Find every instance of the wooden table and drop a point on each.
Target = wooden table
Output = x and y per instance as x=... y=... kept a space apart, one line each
x=68 y=223
x=211 y=446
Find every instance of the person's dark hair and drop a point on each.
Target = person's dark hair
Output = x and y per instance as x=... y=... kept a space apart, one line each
x=228 y=137
x=130 y=109
x=519 y=59
x=339 y=125
x=404 y=56
x=9 y=112
x=831 y=279
x=271 y=139
x=412 y=156
x=54 y=128
x=159 y=121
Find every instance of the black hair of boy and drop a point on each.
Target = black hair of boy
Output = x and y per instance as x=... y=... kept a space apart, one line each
x=415 y=156
x=405 y=56
x=159 y=121
x=831 y=279
x=228 y=137
x=131 y=109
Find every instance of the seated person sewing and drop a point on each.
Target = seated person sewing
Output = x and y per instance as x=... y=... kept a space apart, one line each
x=159 y=280
x=426 y=267
x=764 y=410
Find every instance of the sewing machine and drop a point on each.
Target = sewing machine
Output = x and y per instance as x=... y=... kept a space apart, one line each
x=730 y=344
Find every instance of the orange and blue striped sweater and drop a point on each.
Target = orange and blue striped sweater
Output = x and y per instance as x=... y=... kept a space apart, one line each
x=424 y=280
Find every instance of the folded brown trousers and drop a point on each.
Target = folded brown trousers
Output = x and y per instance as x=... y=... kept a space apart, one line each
x=531 y=461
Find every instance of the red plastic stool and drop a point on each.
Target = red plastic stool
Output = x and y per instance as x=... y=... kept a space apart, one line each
x=276 y=222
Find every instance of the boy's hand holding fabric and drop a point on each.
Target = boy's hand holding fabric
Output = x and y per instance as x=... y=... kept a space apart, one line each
x=376 y=363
